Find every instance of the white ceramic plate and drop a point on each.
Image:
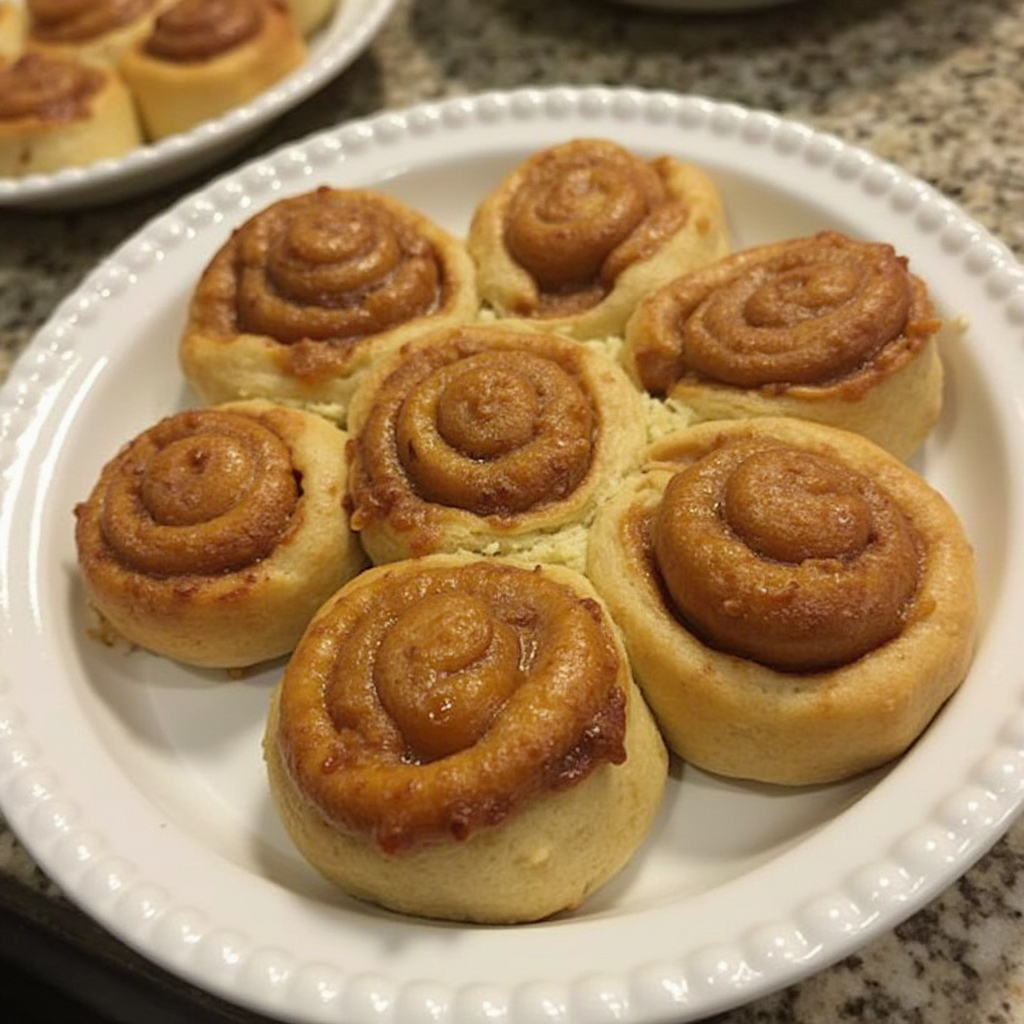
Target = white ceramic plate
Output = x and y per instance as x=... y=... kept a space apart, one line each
x=331 y=50
x=138 y=785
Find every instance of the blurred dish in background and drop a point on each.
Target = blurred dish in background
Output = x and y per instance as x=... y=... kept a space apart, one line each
x=148 y=167
x=707 y=6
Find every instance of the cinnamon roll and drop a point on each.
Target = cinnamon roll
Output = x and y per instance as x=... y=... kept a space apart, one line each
x=461 y=738
x=56 y=112
x=203 y=58
x=213 y=536
x=797 y=603
x=827 y=328
x=95 y=31
x=577 y=233
x=493 y=440
x=311 y=15
x=308 y=293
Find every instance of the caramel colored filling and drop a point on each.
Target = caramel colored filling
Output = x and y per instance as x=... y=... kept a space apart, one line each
x=79 y=21
x=785 y=557
x=47 y=89
x=202 y=492
x=808 y=311
x=194 y=30
x=436 y=700
x=496 y=433
x=477 y=420
x=330 y=265
x=581 y=214
x=447 y=673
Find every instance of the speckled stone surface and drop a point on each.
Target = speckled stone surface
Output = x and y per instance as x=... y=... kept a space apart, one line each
x=937 y=86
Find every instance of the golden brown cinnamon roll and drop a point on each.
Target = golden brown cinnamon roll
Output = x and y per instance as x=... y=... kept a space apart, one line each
x=214 y=536
x=203 y=58
x=461 y=738
x=827 y=328
x=95 y=31
x=797 y=603
x=487 y=439
x=310 y=292
x=311 y=15
x=577 y=233
x=57 y=112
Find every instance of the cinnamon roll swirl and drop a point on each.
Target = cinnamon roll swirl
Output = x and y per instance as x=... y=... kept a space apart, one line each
x=487 y=439
x=308 y=293
x=460 y=738
x=577 y=233
x=213 y=536
x=827 y=328
x=56 y=112
x=95 y=31
x=203 y=58
x=797 y=603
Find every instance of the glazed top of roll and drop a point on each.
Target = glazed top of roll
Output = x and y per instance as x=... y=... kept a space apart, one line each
x=786 y=556
x=826 y=310
x=576 y=215
x=495 y=422
x=78 y=21
x=47 y=90
x=432 y=698
x=202 y=493
x=196 y=30
x=319 y=271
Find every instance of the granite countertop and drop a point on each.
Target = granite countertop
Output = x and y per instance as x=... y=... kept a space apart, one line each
x=936 y=86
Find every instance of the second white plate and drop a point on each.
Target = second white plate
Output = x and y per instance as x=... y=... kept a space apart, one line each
x=139 y=787
x=331 y=50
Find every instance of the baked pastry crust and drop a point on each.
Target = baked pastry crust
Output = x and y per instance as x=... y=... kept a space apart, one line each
x=311 y=15
x=575 y=235
x=309 y=293
x=490 y=439
x=202 y=58
x=829 y=598
x=94 y=31
x=57 y=112
x=827 y=328
x=214 y=536
x=460 y=738
x=12 y=32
